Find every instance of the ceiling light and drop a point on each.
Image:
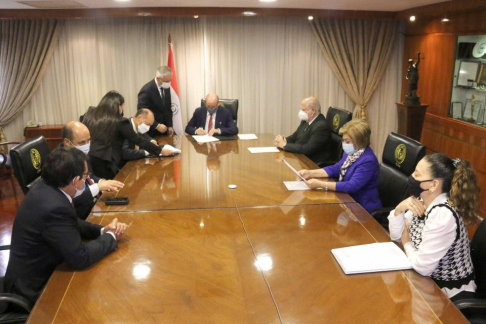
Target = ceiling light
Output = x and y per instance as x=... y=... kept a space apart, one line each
x=196 y=16
x=310 y=17
x=412 y=18
x=445 y=19
x=249 y=13
x=122 y=0
x=268 y=0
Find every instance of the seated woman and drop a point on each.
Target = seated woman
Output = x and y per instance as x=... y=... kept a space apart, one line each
x=108 y=130
x=431 y=223
x=357 y=172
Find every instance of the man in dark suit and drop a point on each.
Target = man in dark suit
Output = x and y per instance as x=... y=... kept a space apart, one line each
x=155 y=95
x=47 y=232
x=76 y=134
x=312 y=137
x=211 y=120
x=141 y=123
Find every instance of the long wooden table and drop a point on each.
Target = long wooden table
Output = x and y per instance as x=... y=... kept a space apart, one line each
x=198 y=252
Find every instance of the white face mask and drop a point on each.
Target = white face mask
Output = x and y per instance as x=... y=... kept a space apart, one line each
x=165 y=85
x=348 y=148
x=79 y=192
x=143 y=128
x=83 y=148
x=303 y=115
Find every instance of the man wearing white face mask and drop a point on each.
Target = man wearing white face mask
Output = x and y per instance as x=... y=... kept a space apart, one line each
x=76 y=134
x=312 y=137
x=155 y=95
x=47 y=232
x=141 y=123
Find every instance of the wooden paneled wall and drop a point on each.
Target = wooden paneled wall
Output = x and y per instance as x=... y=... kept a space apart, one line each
x=437 y=42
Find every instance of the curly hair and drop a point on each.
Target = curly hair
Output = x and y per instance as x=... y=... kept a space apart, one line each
x=458 y=180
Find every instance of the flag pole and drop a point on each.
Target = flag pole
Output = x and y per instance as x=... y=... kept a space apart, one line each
x=170 y=39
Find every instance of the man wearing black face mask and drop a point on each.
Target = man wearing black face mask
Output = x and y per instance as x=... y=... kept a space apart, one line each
x=47 y=232
x=211 y=120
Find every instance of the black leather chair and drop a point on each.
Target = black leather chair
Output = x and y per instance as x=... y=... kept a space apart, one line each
x=28 y=159
x=231 y=104
x=13 y=315
x=400 y=157
x=475 y=309
x=335 y=119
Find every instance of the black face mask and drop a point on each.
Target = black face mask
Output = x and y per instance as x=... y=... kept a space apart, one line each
x=414 y=186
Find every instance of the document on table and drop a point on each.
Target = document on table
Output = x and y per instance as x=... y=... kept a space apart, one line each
x=173 y=149
x=204 y=138
x=270 y=149
x=247 y=136
x=373 y=257
x=296 y=185
x=291 y=168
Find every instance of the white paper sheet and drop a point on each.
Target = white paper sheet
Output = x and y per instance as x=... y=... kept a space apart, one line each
x=296 y=185
x=205 y=138
x=291 y=168
x=373 y=257
x=247 y=136
x=270 y=149
x=173 y=149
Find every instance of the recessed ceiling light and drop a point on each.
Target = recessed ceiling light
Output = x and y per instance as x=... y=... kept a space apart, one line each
x=445 y=19
x=122 y=0
x=268 y=0
x=310 y=18
x=196 y=16
x=412 y=18
x=249 y=13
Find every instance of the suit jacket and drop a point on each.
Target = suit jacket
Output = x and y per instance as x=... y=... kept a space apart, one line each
x=113 y=152
x=224 y=121
x=84 y=203
x=129 y=152
x=46 y=232
x=314 y=141
x=361 y=179
x=149 y=97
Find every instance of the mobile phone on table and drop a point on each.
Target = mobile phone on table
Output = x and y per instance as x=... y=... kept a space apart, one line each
x=117 y=201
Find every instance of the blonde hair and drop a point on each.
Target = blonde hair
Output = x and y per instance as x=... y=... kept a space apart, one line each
x=359 y=130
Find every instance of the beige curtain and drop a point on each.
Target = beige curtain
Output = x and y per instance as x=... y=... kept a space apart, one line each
x=25 y=49
x=357 y=51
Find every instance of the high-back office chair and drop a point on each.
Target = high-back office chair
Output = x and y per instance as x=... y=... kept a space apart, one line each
x=7 y=315
x=231 y=104
x=475 y=309
x=400 y=157
x=335 y=119
x=28 y=159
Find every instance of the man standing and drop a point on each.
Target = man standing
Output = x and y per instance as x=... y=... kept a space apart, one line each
x=155 y=95
x=76 y=134
x=312 y=137
x=211 y=120
x=141 y=123
x=47 y=232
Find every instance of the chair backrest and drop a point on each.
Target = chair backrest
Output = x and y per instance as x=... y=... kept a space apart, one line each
x=400 y=156
x=231 y=104
x=28 y=159
x=478 y=256
x=335 y=119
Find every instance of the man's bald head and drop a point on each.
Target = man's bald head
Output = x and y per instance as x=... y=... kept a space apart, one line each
x=75 y=134
x=311 y=103
x=212 y=100
x=144 y=115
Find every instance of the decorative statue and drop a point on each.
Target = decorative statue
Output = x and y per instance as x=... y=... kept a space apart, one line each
x=411 y=99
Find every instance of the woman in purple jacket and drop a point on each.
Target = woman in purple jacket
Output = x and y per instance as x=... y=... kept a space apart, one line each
x=357 y=172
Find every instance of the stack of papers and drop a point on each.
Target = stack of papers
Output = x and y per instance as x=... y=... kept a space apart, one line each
x=371 y=258
x=270 y=149
x=296 y=185
x=204 y=138
x=247 y=136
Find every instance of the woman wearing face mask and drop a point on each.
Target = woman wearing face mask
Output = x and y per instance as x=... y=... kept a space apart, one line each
x=108 y=130
x=357 y=172
x=432 y=222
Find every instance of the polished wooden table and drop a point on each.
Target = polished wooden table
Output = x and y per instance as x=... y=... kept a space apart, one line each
x=234 y=263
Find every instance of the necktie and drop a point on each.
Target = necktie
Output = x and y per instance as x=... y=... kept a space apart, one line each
x=162 y=93
x=210 y=124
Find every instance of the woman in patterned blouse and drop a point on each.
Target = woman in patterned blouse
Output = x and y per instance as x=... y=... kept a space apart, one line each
x=432 y=222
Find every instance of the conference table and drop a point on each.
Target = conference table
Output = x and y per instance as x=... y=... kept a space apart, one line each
x=197 y=251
